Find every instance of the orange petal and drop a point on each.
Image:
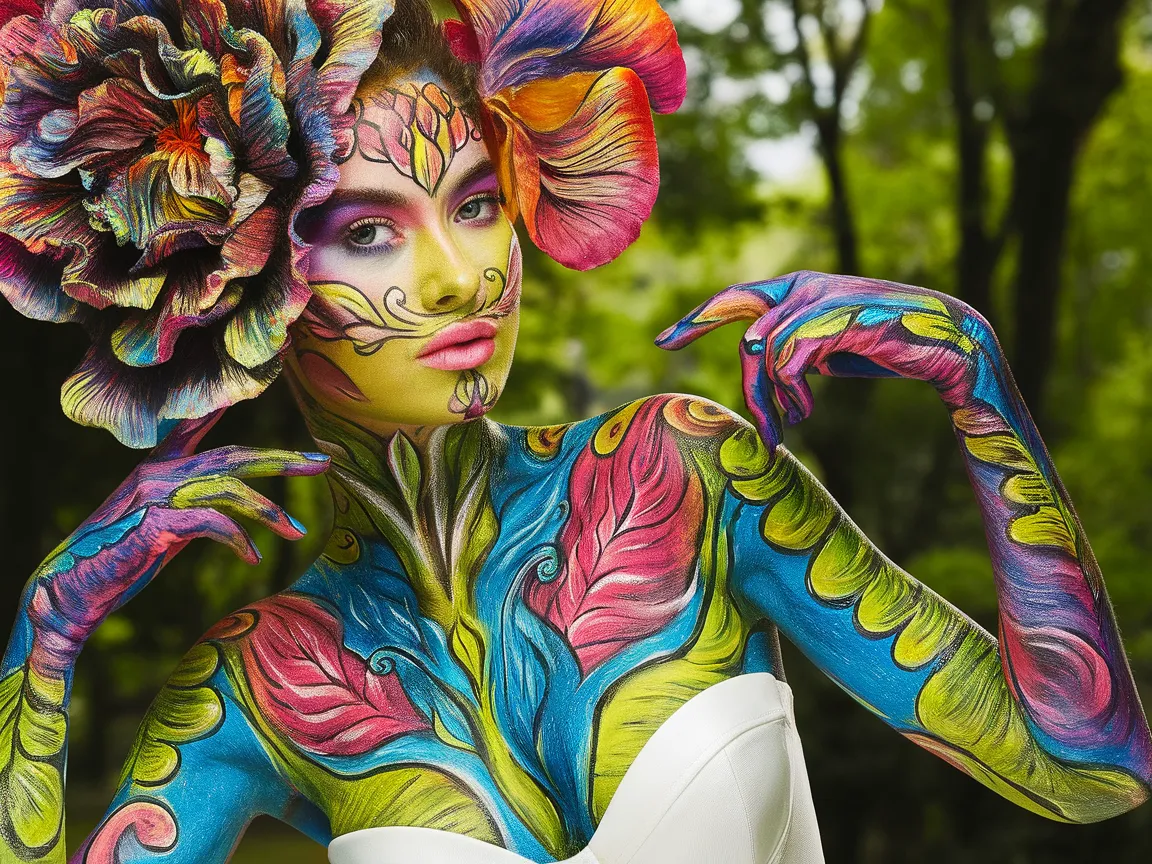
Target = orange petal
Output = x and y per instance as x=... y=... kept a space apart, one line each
x=585 y=161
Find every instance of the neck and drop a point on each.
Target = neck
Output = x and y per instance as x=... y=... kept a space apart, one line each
x=423 y=491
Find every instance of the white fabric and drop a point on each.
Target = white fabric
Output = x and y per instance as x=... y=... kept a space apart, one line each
x=722 y=781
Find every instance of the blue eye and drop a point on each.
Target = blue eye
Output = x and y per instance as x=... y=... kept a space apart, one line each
x=370 y=236
x=480 y=207
x=364 y=235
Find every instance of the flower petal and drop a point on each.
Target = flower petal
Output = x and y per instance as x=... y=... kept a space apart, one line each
x=586 y=168
x=198 y=292
x=263 y=121
x=101 y=275
x=114 y=116
x=351 y=29
x=256 y=332
x=521 y=41
x=142 y=206
x=42 y=213
x=31 y=283
x=136 y=405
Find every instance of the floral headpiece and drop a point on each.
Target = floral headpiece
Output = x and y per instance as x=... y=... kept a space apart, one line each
x=154 y=155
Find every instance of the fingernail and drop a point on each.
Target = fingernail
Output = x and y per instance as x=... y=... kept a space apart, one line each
x=292 y=521
x=315 y=457
x=666 y=334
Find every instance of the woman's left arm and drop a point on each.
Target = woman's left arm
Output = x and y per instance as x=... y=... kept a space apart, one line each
x=1048 y=716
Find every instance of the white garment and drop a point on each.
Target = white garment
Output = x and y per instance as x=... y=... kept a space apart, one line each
x=722 y=781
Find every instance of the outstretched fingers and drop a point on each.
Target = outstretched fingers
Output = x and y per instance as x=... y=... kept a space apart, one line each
x=746 y=302
x=204 y=522
x=229 y=495
x=248 y=462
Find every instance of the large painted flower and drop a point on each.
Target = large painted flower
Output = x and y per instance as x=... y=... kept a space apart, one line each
x=153 y=157
x=568 y=88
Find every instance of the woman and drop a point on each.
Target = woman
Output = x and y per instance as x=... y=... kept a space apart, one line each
x=519 y=644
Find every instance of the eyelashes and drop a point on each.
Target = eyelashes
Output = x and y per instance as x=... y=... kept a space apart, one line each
x=481 y=218
x=371 y=248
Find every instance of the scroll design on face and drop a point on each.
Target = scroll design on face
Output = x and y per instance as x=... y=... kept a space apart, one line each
x=420 y=131
x=369 y=326
x=342 y=311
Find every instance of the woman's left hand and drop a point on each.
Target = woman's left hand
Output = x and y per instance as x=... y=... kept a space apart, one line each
x=843 y=326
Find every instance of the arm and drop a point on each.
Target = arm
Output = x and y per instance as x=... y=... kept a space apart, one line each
x=174 y=496
x=1049 y=715
x=194 y=779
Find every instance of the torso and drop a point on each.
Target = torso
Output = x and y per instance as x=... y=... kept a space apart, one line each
x=486 y=646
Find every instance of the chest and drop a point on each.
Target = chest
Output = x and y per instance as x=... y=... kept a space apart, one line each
x=488 y=650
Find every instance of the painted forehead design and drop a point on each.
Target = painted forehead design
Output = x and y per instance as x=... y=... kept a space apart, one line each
x=415 y=127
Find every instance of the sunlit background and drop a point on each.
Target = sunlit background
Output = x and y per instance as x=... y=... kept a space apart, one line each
x=999 y=151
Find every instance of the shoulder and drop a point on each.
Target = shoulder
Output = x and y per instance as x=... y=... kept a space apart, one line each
x=695 y=421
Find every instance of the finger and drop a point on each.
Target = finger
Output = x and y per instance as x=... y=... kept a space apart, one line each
x=790 y=364
x=203 y=522
x=756 y=388
x=246 y=462
x=185 y=437
x=229 y=495
x=745 y=302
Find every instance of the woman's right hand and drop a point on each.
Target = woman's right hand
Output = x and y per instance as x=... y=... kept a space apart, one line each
x=173 y=497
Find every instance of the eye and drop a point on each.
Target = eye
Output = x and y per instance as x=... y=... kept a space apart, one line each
x=479 y=208
x=371 y=235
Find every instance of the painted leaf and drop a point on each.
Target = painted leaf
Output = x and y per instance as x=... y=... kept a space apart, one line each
x=186 y=709
x=324 y=697
x=32 y=733
x=628 y=551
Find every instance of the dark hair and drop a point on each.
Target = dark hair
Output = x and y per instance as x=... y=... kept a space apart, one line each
x=412 y=40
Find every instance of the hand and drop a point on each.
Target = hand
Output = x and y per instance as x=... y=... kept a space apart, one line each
x=173 y=497
x=842 y=326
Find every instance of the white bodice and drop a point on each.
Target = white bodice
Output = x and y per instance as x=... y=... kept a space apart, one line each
x=722 y=781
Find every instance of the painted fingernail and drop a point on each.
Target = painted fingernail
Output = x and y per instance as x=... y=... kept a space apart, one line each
x=315 y=457
x=296 y=524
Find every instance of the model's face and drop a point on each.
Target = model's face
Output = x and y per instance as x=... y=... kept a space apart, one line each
x=415 y=270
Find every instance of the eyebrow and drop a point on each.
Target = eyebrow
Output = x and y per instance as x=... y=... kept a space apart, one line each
x=348 y=197
x=384 y=197
x=477 y=172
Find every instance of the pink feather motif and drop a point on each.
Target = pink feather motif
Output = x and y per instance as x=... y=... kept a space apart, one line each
x=324 y=697
x=628 y=550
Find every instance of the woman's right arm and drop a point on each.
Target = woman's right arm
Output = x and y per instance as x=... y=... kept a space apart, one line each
x=174 y=496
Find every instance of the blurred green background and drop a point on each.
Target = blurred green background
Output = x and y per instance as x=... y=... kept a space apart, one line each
x=999 y=151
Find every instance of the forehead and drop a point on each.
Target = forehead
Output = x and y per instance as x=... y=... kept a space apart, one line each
x=410 y=128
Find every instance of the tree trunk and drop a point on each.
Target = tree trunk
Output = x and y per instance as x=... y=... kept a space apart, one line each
x=1078 y=69
x=970 y=63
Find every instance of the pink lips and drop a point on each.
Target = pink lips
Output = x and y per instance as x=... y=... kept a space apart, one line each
x=463 y=345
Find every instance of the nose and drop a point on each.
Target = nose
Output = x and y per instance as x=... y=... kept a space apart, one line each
x=448 y=280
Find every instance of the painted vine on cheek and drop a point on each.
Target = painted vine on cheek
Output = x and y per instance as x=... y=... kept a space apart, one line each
x=419 y=131
x=344 y=312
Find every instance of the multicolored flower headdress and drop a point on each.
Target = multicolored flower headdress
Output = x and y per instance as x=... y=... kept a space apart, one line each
x=568 y=88
x=154 y=155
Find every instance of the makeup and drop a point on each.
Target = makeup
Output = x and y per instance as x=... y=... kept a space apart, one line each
x=459 y=346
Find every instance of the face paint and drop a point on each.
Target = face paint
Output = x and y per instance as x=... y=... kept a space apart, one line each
x=416 y=128
x=415 y=271
x=474 y=395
